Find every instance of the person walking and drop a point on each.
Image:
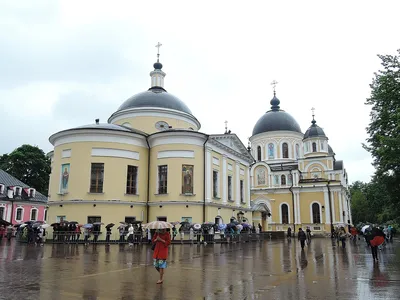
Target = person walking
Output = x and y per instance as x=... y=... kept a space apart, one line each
x=308 y=234
x=342 y=236
x=162 y=239
x=302 y=238
x=130 y=235
x=289 y=233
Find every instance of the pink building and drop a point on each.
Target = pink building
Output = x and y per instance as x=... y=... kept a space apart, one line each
x=19 y=202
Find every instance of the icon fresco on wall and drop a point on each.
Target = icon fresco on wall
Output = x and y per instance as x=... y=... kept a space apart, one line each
x=186 y=219
x=260 y=176
x=271 y=154
x=187 y=179
x=65 y=168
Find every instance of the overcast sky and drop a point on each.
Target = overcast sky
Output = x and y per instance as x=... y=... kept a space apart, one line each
x=66 y=63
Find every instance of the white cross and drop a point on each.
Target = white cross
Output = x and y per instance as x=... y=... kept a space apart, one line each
x=158 y=46
x=274 y=83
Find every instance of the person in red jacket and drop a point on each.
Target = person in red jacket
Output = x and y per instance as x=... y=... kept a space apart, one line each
x=162 y=239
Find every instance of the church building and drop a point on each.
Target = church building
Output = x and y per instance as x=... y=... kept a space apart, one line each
x=151 y=162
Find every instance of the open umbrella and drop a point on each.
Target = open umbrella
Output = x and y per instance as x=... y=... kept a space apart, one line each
x=98 y=223
x=110 y=225
x=4 y=222
x=365 y=228
x=197 y=226
x=44 y=226
x=377 y=237
x=158 y=225
x=221 y=226
x=123 y=223
x=73 y=222
x=176 y=223
x=87 y=226
x=55 y=224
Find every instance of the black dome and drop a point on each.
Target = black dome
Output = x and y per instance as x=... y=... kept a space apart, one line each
x=276 y=120
x=155 y=97
x=314 y=131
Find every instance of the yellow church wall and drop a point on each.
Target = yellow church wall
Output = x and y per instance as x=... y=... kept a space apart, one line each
x=276 y=206
x=306 y=199
x=109 y=212
x=174 y=176
x=175 y=212
x=115 y=170
x=335 y=201
x=147 y=123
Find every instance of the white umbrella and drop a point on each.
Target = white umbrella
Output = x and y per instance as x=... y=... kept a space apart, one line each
x=158 y=225
x=197 y=226
x=44 y=226
x=365 y=228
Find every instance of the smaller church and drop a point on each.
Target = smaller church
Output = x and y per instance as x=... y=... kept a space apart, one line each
x=150 y=161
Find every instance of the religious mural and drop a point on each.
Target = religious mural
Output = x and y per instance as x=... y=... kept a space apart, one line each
x=271 y=149
x=186 y=219
x=261 y=176
x=64 y=178
x=187 y=179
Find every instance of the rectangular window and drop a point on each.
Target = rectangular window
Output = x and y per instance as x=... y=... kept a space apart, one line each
x=2 y=212
x=230 y=188
x=60 y=219
x=30 y=193
x=187 y=179
x=96 y=178
x=130 y=220
x=164 y=219
x=33 y=214
x=18 y=217
x=131 y=180
x=215 y=184
x=162 y=179
x=45 y=215
x=241 y=191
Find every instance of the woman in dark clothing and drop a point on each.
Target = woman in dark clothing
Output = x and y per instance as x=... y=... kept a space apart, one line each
x=302 y=238
x=108 y=234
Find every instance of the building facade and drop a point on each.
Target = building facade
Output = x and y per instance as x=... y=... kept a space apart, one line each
x=19 y=202
x=149 y=162
x=296 y=180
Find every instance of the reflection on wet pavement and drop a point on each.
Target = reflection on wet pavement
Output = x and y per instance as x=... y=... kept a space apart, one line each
x=257 y=270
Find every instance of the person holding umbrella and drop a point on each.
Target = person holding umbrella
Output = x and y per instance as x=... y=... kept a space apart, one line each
x=376 y=238
x=162 y=239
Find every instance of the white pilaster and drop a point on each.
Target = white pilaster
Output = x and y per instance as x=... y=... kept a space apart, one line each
x=340 y=206
x=224 y=180
x=237 y=178
x=270 y=180
x=247 y=185
x=333 y=208
x=327 y=211
x=8 y=215
x=208 y=170
x=297 y=200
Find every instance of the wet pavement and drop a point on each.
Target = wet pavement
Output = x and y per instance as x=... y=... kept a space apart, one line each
x=257 y=270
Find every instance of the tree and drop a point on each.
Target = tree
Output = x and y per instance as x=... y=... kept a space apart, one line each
x=384 y=129
x=30 y=165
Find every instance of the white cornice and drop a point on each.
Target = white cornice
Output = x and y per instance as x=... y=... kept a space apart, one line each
x=177 y=137
x=154 y=112
x=229 y=152
x=116 y=202
x=97 y=135
x=276 y=135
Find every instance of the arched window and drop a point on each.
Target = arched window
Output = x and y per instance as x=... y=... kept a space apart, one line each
x=283 y=180
x=271 y=151
x=285 y=150
x=259 y=153
x=285 y=214
x=316 y=214
x=314 y=147
x=34 y=214
x=18 y=215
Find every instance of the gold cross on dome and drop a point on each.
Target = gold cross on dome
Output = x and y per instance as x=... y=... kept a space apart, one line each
x=158 y=50
x=274 y=83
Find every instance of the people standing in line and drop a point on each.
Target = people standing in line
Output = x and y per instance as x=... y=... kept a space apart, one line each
x=191 y=235
x=86 y=233
x=40 y=235
x=121 y=234
x=289 y=233
x=174 y=232
x=130 y=235
x=162 y=239
x=77 y=233
x=108 y=235
x=181 y=233
x=259 y=227
x=302 y=238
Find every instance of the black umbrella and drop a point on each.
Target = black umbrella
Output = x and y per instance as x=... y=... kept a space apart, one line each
x=4 y=222
x=110 y=225
x=55 y=224
x=28 y=222
x=73 y=222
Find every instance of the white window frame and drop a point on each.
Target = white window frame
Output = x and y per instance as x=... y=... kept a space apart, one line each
x=16 y=213
x=30 y=214
x=280 y=212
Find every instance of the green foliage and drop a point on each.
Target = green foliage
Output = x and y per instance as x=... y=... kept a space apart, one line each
x=383 y=193
x=30 y=165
